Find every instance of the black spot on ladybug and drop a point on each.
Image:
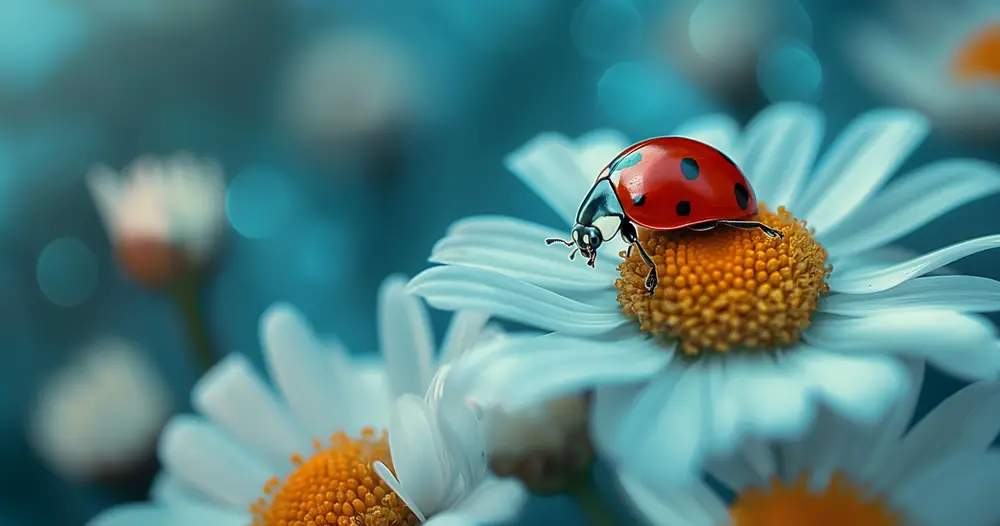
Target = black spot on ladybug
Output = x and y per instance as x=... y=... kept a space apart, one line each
x=639 y=200
x=684 y=208
x=742 y=195
x=689 y=167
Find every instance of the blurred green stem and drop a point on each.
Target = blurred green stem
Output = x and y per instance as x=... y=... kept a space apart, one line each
x=187 y=294
x=589 y=499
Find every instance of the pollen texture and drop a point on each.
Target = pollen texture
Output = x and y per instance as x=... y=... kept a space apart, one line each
x=840 y=504
x=727 y=289
x=978 y=58
x=335 y=486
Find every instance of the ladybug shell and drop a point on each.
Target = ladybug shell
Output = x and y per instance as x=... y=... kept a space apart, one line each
x=667 y=183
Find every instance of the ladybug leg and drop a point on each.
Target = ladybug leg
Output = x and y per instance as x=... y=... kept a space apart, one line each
x=632 y=237
x=753 y=225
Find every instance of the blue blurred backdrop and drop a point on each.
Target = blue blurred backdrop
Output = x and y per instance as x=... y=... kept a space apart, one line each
x=352 y=133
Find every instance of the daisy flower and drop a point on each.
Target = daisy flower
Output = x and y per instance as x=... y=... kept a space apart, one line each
x=940 y=57
x=164 y=216
x=366 y=446
x=938 y=473
x=746 y=334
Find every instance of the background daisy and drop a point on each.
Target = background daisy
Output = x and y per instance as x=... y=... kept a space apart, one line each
x=939 y=56
x=403 y=459
x=940 y=472
x=751 y=345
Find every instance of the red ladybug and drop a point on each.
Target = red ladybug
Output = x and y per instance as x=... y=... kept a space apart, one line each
x=664 y=183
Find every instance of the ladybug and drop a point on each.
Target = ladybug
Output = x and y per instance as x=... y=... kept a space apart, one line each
x=664 y=183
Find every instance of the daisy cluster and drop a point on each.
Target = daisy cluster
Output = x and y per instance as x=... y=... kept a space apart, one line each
x=783 y=369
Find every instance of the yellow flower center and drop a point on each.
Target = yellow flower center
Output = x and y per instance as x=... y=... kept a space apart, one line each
x=727 y=289
x=335 y=486
x=978 y=57
x=842 y=503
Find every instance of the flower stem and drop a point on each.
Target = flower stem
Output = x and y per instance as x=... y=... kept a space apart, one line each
x=186 y=293
x=589 y=499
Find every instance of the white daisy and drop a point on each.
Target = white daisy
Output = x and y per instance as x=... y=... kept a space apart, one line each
x=373 y=449
x=938 y=473
x=163 y=216
x=685 y=382
x=99 y=417
x=941 y=57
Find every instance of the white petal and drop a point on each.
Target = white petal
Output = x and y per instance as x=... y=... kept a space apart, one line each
x=204 y=458
x=870 y=454
x=954 y=342
x=779 y=149
x=718 y=130
x=405 y=337
x=238 y=401
x=957 y=293
x=415 y=446
x=168 y=490
x=752 y=465
x=458 y=288
x=493 y=501
x=527 y=371
x=867 y=281
x=911 y=202
x=597 y=149
x=396 y=487
x=319 y=400
x=674 y=508
x=550 y=166
x=859 y=162
x=860 y=388
x=609 y=408
x=673 y=405
x=517 y=249
x=145 y=514
x=106 y=190
x=966 y=422
x=960 y=491
x=464 y=331
x=774 y=401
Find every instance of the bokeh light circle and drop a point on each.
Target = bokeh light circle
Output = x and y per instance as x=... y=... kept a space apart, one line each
x=719 y=28
x=259 y=202
x=790 y=71
x=641 y=92
x=606 y=29
x=67 y=272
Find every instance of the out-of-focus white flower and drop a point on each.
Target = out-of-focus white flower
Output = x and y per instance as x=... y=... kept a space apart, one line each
x=348 y=89
x=942 y=57
x=939 y=472
x=164 y=216
x=546 y=446
x=100 y=417
x=388 y=441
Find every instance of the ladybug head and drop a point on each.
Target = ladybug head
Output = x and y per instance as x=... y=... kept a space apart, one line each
x=586 y=239
x=599 y=219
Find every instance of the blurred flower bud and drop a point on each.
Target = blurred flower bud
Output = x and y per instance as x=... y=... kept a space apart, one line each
x=350 y=92
x=547 y=447
x=98 y=419
x=165 y=217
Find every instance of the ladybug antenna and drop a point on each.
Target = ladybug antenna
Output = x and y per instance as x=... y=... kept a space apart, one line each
x=551 y=240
